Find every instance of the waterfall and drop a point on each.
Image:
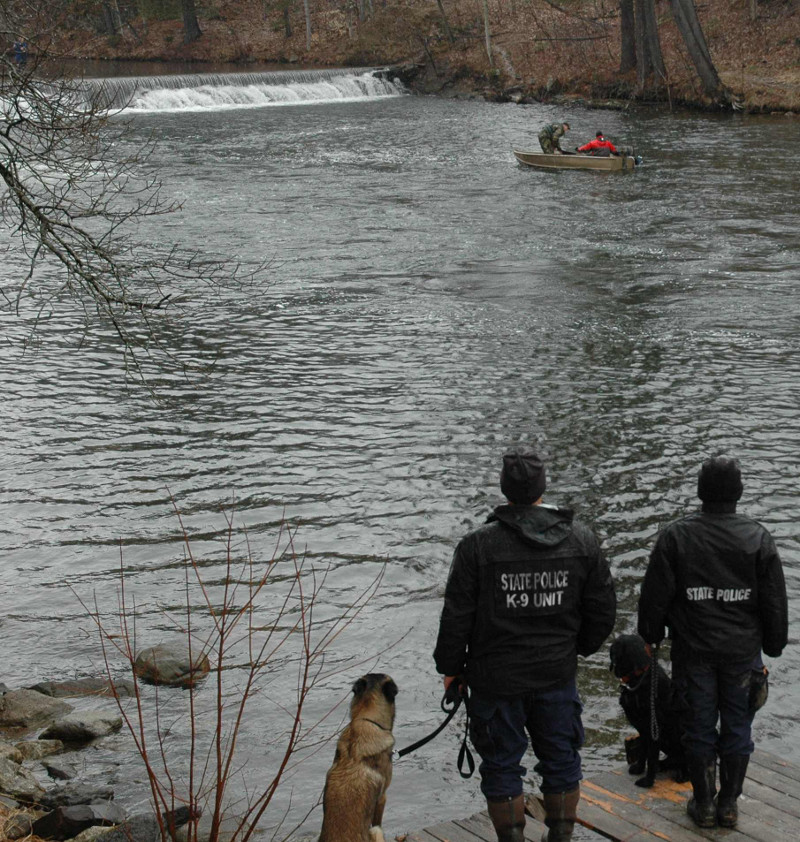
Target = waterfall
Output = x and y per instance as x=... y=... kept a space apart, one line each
x=196 y=92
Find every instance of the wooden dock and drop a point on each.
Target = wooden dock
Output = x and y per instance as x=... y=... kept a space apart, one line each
x=612 y=807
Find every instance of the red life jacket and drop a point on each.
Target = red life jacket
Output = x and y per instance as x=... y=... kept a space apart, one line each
x=597 y=143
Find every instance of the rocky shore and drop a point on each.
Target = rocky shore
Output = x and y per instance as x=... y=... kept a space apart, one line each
x=43 y=754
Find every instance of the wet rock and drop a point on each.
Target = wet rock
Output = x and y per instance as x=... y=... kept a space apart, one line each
x=86 y=687
x=75 y=793
x=225 y=832
x=60 y=771
x=82 y=726
x=28 y=709
x=66 y=822
x=91 y=834
x=18 y=826
x=18 y=782
x=169 y=663
x=10 y=752
x=37 y=749
x=145 y=828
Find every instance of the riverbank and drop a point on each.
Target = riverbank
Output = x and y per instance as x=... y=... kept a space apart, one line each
x=540 y=51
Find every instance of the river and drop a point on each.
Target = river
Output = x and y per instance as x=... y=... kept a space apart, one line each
x=427 y=303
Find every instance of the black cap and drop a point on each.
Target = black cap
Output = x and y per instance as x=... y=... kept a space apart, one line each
x=523 y=478
x=599 y=134
x=719 y=480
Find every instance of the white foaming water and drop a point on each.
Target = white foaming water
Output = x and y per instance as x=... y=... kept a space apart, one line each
x=250 y=90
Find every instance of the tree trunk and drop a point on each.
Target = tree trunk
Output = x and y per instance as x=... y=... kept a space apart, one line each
x=644 y=66
x=488 y=32
x=653 y=43
x=685 y=15
x=627 y=30
x=287 y=20
x=649 y=61
x=447 y=31
x=108 y=20
x=307 y=10
x=753 y=9
x=191 y=27
x=361 y=14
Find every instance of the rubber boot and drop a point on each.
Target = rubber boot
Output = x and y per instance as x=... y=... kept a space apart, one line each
x=732 y=771
x=508 y=818
x=561 y=812
x=703 y=775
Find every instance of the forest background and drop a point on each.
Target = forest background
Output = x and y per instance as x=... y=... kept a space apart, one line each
x=743 y=54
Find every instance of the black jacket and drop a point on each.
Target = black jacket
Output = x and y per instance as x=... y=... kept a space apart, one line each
x=716 y=580
x=527 y=593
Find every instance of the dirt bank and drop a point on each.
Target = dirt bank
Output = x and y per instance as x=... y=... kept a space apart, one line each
x=540 y=49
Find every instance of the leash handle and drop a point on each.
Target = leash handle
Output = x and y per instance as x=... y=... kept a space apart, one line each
x=464 y=754
x=456 y=694
x=654 y=730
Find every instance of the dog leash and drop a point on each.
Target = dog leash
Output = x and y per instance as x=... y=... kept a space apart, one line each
x=451 y=702
x=654 y=731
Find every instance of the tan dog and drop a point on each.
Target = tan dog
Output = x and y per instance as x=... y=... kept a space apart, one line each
x=356 y=784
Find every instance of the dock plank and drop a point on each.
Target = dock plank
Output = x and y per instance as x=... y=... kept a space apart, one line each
x=612 y=806
x=659 y=811
x=767 y=795
x=451 y=832
x=776 y=764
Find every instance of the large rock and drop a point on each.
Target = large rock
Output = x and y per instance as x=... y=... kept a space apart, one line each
x=75 y=793
x=86 y=687
x=28 y=709
x=18 y=782
x=82 y=726
x=169 y=663
x=37 y=749
x=10 y=752
x=66 y=822
x=225 y=832
x=144 y=828
x=59 y=770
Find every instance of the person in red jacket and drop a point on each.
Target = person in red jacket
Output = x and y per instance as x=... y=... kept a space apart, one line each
x=594 y=147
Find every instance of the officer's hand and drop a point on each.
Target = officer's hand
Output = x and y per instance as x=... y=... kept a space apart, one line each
x=448 y=680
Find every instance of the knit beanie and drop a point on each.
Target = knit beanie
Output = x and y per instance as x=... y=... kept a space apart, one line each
x=522 y=479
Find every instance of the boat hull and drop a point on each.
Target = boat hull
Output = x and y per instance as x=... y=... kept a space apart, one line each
x=546 y=161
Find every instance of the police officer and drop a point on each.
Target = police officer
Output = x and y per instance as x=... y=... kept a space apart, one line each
x=550 y=136
x=527 y=593
x=715 y=578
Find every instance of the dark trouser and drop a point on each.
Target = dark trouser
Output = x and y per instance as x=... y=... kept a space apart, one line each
x=546 y=142
x=716 y=691
x=552 y=718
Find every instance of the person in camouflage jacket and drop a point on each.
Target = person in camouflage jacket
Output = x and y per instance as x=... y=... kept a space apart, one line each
x=550 y=136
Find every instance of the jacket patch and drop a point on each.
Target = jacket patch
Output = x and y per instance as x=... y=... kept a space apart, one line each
x=718 y=594
x=522 y=592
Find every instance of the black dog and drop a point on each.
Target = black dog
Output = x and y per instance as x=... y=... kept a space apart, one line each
x=631 y=662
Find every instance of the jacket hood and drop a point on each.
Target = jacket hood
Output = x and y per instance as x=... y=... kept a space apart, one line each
x=542 y=525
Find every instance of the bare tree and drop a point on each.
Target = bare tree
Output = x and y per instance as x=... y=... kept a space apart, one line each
x=628 y=34
x=685 y=15
x=649 y=60
x=256 y=625
x=307 y=11
x=72 y=187
x=487 y=32
x=191 y=26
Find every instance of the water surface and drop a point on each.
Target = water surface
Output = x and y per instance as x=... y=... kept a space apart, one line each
x=428 y=303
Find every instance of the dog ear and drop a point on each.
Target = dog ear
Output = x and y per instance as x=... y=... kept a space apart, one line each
x=390 y=690
x=359 y=686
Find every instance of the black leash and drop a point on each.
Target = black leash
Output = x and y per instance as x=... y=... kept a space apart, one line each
x=654 y=732
x=451 y=702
